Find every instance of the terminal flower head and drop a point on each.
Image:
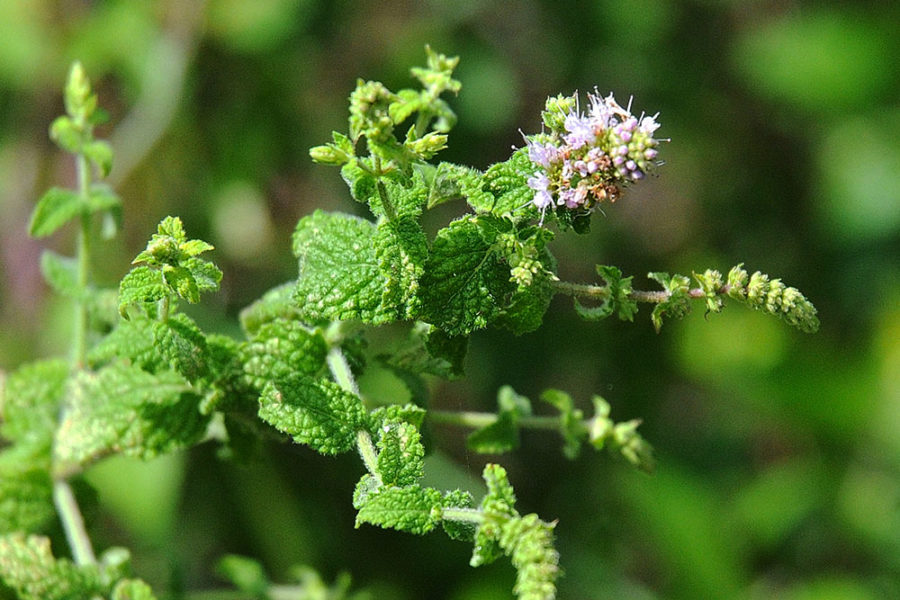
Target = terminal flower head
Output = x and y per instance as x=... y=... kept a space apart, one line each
x=587 y=157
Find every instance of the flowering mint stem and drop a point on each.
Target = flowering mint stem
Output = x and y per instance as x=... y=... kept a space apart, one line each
x=73 y=523
x=477 y=420
x=601 y=292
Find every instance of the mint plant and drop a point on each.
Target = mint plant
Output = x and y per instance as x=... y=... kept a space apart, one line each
x=144 y=379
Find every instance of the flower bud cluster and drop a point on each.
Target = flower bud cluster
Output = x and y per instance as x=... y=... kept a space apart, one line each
x=586 y=158
x=774 y=297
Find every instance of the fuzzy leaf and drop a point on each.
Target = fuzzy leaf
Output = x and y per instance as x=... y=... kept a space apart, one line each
x=450 y=182
x=30 y=401
x=401 y=250
x=275 y=303
x=123 y=409
x=26 y=490
x=319 y=414
x=412 y=508
x=503 y=434
x=617 y=300
x=28 y=568
x=497 y=506
x=459 y=530
x=678 y=303
x=56 y=207
x=507 y=184
x=339 y=272
x=282 y=348
x=408 y=413
x=465 y=283
x=141 y=285
x=401 y=454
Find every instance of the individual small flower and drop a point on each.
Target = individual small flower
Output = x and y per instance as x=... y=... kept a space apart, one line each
x=540 y=183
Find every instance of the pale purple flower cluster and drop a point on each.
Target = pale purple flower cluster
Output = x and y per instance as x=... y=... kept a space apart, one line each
x=587 y=157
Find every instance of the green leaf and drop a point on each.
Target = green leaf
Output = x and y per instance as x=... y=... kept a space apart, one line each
x=320 y=414
x=497 y=506
x=384 y=415
x=507 y=183
x=142 y=285
x=275 y=303
x=340 y=276
x=102 y=198
x=678 y=304
x=246 y=574
x=30 y=402
x=503 y=434
x=66 y=134
x=459 y=530
x=412 y=509
x=450 y=182
x=401 y=454
x=56 y=207
x=401 y=250
x=26 y=490
x=132 y=589
x=281 y=349
x=618 y=299
x=61 y=273
x=100 y=153
x=28 y=568
x=571 y=421
x=465 y=283
x=123 y=409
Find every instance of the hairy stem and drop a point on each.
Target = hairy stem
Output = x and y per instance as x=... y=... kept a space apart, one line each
x=601 y=292
x=83 y=258
x=73 y=523
x=343 y=376
x=470 y=515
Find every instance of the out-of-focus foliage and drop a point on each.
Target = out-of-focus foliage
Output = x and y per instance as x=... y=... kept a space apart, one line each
x=778 y=453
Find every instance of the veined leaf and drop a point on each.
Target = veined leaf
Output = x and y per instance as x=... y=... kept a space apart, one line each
x=340 y=276
x=30 y=401
x=281 y=349
x=465 y=283
x=141 y=285
x=124 y=409
x=401 y=454
x=412 y=508
x=26 y=490
x=276 y=303
x=401 y=250
x=319 y=414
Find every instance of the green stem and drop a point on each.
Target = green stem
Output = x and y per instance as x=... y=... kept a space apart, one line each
x=601 y=292
x=343 y=376
x=477 y=420
x=73 y=523
x=386 y=203
x=470 y=515
x=83 y=258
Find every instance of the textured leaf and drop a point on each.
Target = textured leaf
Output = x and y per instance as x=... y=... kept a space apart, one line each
x=142 y=285
x=503 y=434
x=26 y=490
x=528 y=542
x=124 y=409
x=56 y=207
x=339 y=273
x=60 y=272
x=400 y=454
x=280 y=350
x=450 y=182
x=459 y=530
x=401 y=250
x=465 y=283
x=30 y=401
x=497 y=507
x=427 y=350
x=678 y=303
x=276 y=303
x=319 y=414
x=206 y=275
x=412 y=508
x=383 y=415
x=28 y=568
x=507 y=184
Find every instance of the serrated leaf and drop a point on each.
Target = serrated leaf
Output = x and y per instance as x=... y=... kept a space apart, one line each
x=507 y=183
x=339 y=273
x=401 y=454
x=465 y=283
x=526 y=309
x=28 y=568
x=677 y=305
x=142 y=285
x=319 y=414
x=30 y=401
x=60 y=272
x=275 y=303
x=205 y=274
x=500 y=498
x=56 y=207
x=123 y=409
x=409 y=413
x=450 y=182
x=412 y=509
x=281 y=349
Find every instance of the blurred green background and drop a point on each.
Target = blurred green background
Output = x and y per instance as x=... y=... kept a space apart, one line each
x=779 y=453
